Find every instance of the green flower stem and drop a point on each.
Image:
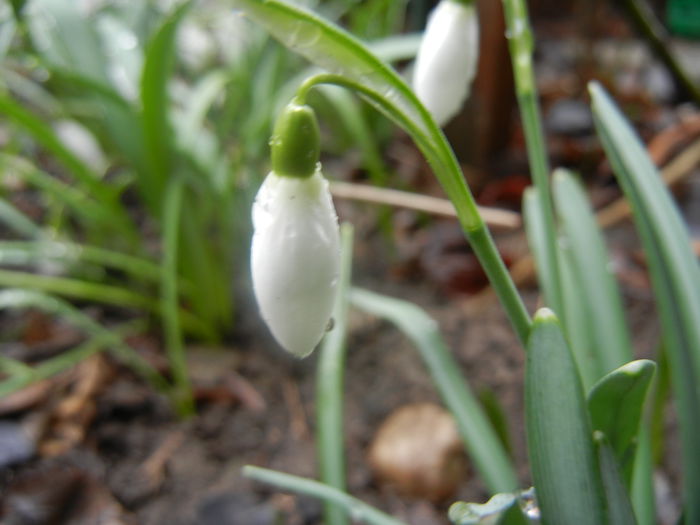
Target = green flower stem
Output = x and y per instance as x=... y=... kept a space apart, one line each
x=183 y=398
x=446 y=167
x=329 y=389
x=520 y=41
x=360 y=511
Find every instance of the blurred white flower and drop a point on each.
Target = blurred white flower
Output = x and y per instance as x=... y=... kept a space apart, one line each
x=295 y=258
x=447 y=59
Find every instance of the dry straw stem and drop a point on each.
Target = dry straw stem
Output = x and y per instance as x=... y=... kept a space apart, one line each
x=494 y=217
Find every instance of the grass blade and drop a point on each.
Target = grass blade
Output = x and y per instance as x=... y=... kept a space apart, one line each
x=46 y=137
x=169 y=305
x=359 y=511
x=616 y=403
x=77 y=289
x=22 y=299
x=155 y=101
x=95 y=216
x=329 y=388
x=674 y=272
x=537 y=235
x=619 y=508
x=595 y=286
x=481 y=440
x=67 y=39
x=65 y=360
x=27 y=253
x=18 y=221
x=559 y=439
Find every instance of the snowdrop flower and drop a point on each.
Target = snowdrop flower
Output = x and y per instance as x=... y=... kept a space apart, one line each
x=295 y=255
x=447 y=58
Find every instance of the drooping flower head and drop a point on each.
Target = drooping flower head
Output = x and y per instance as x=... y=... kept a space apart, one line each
x=295 y=254
x=447 y=58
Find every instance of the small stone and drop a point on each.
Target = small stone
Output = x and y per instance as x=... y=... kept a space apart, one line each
x=419 y=451
x=16 y=444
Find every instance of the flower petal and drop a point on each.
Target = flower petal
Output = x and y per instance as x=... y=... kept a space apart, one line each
x=295 y=258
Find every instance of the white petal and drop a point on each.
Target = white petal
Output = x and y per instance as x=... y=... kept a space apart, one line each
x=295 y=258
x=447 y=59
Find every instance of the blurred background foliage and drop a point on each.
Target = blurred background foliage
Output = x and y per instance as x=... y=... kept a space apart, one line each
x=107 y=106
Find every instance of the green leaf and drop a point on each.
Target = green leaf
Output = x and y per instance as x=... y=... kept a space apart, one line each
x=576 y=319
x=480 y=439
x=94 y=216
x=330 y=381
x=169 y=305
x=619 y=508
x=155 y=102
x=596 y=286
x=46 y=137
x=358 y=510
x=616 y=403
x=501 y=509
x=537 y=236
x=39 y=252
x=562 y=457
x=23 y=299
x=674 y=272
x=66 y=39
x=15 y=220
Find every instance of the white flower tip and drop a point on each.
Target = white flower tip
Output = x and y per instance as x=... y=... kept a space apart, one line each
x=295 y=259
x=447 y=59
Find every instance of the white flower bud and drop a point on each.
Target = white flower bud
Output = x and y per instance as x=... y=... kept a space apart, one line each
x=295 y=258
x=447 y=59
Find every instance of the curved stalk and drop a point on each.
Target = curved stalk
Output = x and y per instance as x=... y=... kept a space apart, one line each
x=441 y=157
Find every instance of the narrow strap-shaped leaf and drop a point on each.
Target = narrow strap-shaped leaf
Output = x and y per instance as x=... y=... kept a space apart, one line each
x=576 y=320
x=169 y=306
x=559 y=439
x=15 y=220
x=537 y=235
x=616 y=403
x=358 y=510
x=96 y=216
x=330 y=381
x=66 y=38
x=21 y=299
x=46 y=137
x=155 y=101
x=674 y=271
x=597 y=288
x=619 y=508
x=481 y=440
x=501 y=509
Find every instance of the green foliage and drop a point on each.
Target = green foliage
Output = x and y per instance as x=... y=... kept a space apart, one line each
x=501 y=509
x=615 y=404
x=559 y=435
x=674 y=271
